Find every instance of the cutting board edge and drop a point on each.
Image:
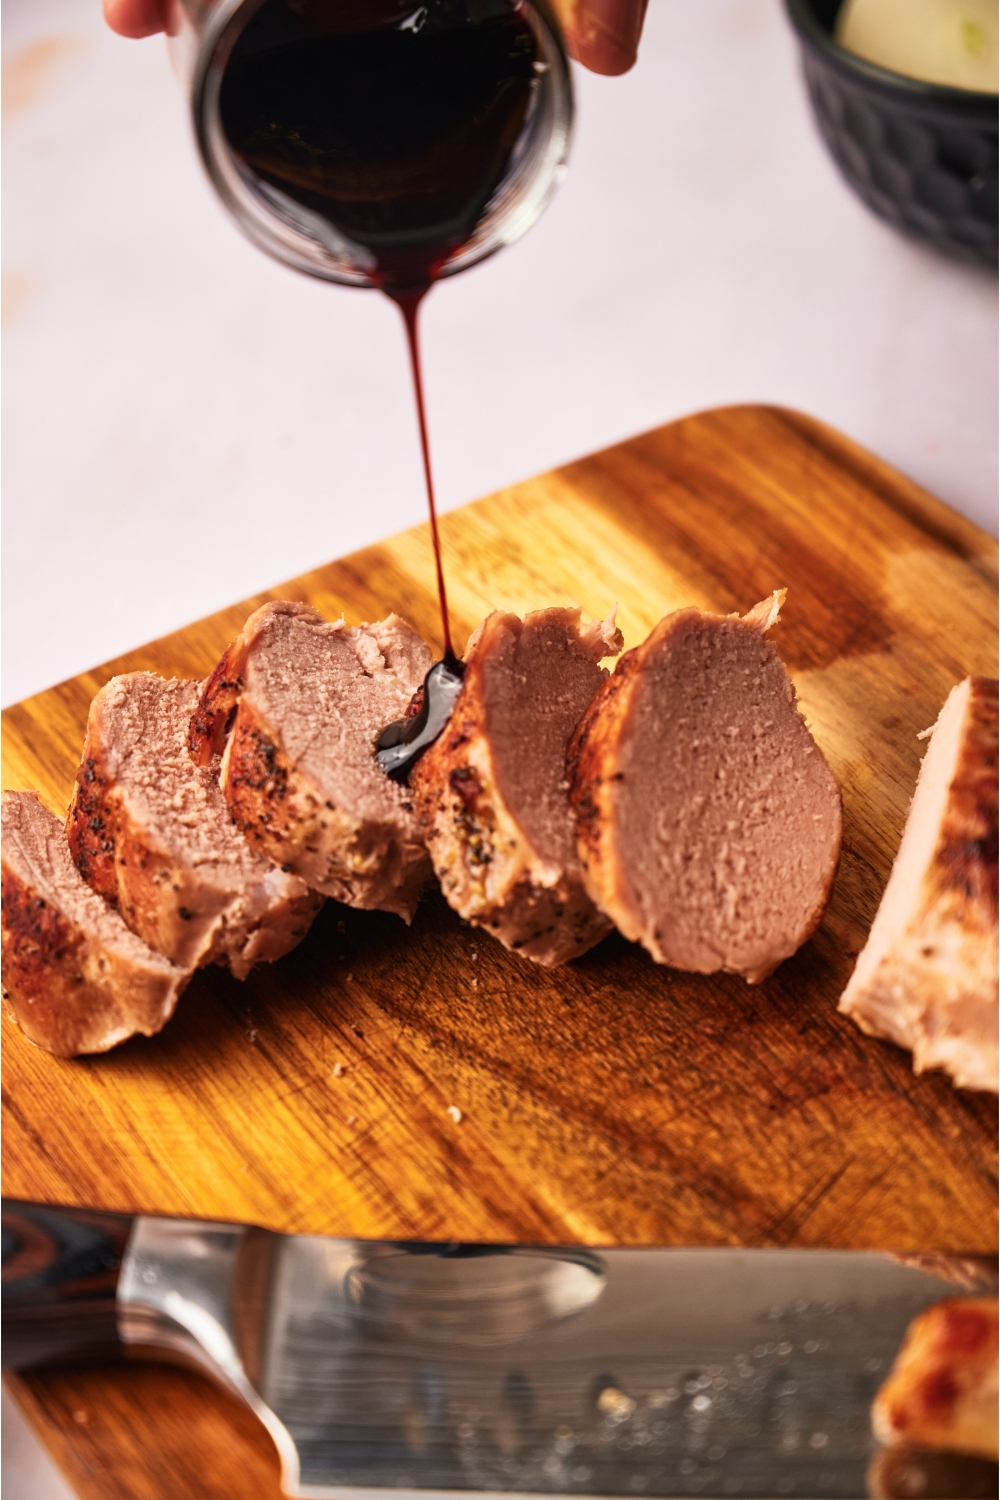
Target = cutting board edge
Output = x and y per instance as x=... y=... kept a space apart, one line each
x=930 y=513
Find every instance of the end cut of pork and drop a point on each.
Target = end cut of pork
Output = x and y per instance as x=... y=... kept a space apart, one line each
x=75 y=978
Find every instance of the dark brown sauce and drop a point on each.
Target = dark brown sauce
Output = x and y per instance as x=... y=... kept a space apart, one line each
x=402 y=743
x=395 y=122
x=409 y=305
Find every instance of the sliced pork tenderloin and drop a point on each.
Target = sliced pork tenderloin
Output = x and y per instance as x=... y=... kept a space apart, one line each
x=927 y=977
x=151 y=832
x=492 y=791
x=708 y=822
x=296 y=705
x=75 y=978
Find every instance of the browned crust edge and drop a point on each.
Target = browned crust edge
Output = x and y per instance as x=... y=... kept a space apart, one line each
x=213 y=717
x=92 y=825
x=448 y=792
x=590 y=756
x=258 y=778
x=215 y=712
x=965 y=864
x=281 y=813
x=51 y=983
x=466 y=836
x=130 y=871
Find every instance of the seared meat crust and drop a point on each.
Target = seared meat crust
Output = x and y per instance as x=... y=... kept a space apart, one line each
x=75 y=979
x=478 y=800
x=282 y=812
x=590 y=770
x=213 y=718
x=150 y=832
x=322 y=809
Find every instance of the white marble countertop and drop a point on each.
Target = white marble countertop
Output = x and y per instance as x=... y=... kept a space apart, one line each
x=186 y=421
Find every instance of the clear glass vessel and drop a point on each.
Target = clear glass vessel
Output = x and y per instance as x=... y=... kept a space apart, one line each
x=202 y=37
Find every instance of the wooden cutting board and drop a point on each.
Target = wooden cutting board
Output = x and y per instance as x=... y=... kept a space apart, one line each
x=609 y=1101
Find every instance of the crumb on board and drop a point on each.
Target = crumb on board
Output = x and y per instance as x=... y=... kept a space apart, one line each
x=615 y=1403
x=456 y=1113
x=338 y=1070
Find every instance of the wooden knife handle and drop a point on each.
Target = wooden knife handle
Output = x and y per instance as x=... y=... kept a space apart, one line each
x=59 y=1279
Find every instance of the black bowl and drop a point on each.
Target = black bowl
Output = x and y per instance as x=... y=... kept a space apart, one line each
x=921 y=155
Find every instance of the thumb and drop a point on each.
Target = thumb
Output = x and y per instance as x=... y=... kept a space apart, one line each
x=136 y=17
x=603 y=34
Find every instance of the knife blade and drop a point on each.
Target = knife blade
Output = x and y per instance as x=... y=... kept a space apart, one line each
x=377 y=1366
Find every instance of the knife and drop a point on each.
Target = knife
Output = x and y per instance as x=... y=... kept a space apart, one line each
x=487 y=1368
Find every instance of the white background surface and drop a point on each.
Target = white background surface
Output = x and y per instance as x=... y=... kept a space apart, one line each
x=186 y=421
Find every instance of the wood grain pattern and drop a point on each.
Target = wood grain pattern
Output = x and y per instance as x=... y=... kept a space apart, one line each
x=609 y=1101
x=133 y=1432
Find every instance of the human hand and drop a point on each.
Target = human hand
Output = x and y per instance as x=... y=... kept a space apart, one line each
x=602 y=34
x=136 y=17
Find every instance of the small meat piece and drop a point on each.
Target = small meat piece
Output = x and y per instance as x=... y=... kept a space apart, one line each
x=492 y=791
x=970 y=1273
x=941 y=1392
x=150 y=831
x=75 y=978
x=927 y=977
x=302 y=701
x=708 y=822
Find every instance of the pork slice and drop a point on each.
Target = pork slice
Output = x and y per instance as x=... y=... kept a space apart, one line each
x=297 y=704
x=927 y=977
x=151 y=832
x=942 y=1390
x=492 y=791
x=708 y=822
x=75 y=978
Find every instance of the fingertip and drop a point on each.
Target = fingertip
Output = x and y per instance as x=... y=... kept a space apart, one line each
x=135 y=18
x=604 y=34
x=599 y=54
